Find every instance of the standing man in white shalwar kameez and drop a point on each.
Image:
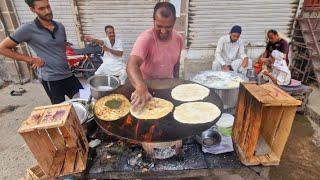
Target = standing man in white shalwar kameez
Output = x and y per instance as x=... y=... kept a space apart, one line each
x=230 y=54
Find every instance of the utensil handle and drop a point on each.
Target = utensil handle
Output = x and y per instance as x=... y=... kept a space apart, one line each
x=88 y=108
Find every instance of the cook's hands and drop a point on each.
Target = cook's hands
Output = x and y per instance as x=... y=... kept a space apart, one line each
x=36 y=62
x=88 y=38
x=140 y=97
x=226 y=68
x=245 y=62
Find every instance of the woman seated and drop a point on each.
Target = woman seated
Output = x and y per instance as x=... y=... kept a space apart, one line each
x=281 y=74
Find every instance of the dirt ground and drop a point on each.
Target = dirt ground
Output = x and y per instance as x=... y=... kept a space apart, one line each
x=301 y=158
x=15 y=157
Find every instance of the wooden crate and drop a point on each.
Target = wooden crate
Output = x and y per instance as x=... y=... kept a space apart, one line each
x=263 y=120
x=36 y=173
x=56 y=139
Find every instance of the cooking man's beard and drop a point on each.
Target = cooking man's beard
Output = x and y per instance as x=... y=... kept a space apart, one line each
x=163 y=36
x=47 y=17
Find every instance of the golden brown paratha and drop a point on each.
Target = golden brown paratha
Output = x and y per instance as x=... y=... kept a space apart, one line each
x=154 y=109
x=112 y=107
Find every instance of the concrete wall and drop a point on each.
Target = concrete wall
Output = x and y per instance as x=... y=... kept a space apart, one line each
x=10 y=70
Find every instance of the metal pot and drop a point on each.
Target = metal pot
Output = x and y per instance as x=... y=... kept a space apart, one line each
x=218 y=82
x=102 y=85
x=229 y=97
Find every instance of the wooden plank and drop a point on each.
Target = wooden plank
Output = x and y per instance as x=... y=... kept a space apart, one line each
x=69 y=136
x=81 y=162
x=57 y=138
x=283 y=131
x=30 y=125
x=77 y=128
x=254 y=128
x=240 y=109
x=57 y=163
x=269 y=160
x=270 y=94
x=32 y=120
x=82 y=143
x=245 y=124
x=278 y=94
x=41 y=147
x=47 y=144
x=266 y=160
x=63 y=105
x=271 y=118
x=58 y=141
x=70 y=159
x=76 y=156
x=244 y=160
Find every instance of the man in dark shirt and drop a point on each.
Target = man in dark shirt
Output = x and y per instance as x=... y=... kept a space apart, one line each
x=48 y=39
x=275 y=43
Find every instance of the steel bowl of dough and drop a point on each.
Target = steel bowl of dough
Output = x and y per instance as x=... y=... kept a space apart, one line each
x=102 y=85
x=225 y=84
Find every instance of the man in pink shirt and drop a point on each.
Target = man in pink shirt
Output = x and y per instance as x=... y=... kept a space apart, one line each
x=155 y=54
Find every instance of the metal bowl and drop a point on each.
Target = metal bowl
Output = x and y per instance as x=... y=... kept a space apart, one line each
x=81 y=111
x=85 y=103
x=102 y=85
x=209 y=137
x=88 y=124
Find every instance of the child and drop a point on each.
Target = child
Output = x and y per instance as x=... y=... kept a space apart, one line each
x=280 y=72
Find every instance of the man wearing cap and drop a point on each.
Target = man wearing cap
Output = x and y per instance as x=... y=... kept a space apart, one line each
x=230 y=53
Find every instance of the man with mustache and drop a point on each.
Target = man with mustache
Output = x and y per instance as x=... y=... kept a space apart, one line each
x=48 y=39
x=113 y=51
x=155 y=54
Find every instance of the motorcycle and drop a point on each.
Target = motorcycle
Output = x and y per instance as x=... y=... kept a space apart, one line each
x=86 y=60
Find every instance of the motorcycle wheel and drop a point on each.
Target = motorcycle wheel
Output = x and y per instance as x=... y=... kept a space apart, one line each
x=88 y=65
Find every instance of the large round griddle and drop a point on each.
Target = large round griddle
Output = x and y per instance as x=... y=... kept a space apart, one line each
x=159 y=130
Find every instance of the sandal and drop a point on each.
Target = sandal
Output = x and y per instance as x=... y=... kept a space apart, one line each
x=18 y=92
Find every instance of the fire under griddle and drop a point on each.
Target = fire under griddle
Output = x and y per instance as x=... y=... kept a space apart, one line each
x=165 y=129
